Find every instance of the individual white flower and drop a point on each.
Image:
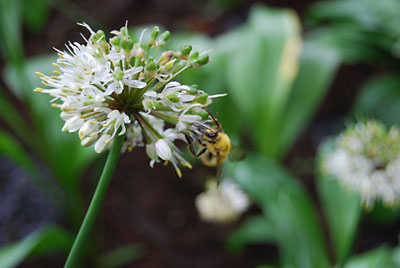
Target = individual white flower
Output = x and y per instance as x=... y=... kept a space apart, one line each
x=185 y=119
x=163 y=150
x=103 y=143
x=119 y=77
x=366 y=159
x=114 y=87
x=222 y=204
x=73 y=124
x=175 y=95
x=134 y=137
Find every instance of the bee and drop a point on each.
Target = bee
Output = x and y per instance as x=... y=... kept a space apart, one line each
x=216 y=145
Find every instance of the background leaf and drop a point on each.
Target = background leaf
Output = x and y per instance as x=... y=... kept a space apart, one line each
x=377 y=258
x=380 y=98
x=255 y=229
x=288 y=208
x=43 y=241
x=261 y=71
x=341 y=207
x=319 y=62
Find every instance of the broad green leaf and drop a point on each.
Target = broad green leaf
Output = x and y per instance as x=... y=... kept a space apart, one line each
x=318 y=65
x=13 y=118
x=46 y=240
x=10 y=148
x=380 y=99
x=352 y=43
x=261 y=71
x=255 y=229
x=359 y=26
x=288 y=208
x=377 y=258
x=341 y=208
x=121 y=256
x=36 y=13
x=10 y=30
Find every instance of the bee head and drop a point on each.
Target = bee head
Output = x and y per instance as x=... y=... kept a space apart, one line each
x=211 y=133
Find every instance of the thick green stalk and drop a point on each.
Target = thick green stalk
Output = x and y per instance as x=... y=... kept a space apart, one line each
x=95 y=204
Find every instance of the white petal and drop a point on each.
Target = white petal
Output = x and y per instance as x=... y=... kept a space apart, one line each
x=151 y=151
x=73 y=124
x=102 y=143
x=163 y=150
x=134 y=83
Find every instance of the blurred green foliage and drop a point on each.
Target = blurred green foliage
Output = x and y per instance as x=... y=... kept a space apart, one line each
x=265 y=68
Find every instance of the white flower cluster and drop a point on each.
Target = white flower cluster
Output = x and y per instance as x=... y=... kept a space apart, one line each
x=222 y=203
x=107 y=88
x=366 y=159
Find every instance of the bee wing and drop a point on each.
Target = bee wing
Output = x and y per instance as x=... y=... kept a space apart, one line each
x=236 y=154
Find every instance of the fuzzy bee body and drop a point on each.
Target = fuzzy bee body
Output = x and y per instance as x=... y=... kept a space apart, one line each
x=218 y=146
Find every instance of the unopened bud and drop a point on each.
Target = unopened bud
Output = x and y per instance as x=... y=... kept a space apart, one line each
x=194 y=55
x=115 y=41
x=203 y=98
x=127 y=44
x=203 y=60
x=155 y=32
x=151 y=66
x=185 y=50
x=165 y=36
x=124 y=31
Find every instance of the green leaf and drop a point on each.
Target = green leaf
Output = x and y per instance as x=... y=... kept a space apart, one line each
x=377 y=258
x=288 y=208
x=361 y=28
x=255 y=229
x=341 y=208
x=261 y=71
x=318 y=65
x=12 y=117
x=36 y=13
x=380 y=98
x=121 y=256
x=10 y=30
x=10 y=148
x=46 y=240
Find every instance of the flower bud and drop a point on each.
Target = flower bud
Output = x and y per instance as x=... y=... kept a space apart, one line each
x=201 y=61
x=165 y=36
x=185 y=50
x=124 y=31
x=127 y=44
x=115 y=41
x=155 y=32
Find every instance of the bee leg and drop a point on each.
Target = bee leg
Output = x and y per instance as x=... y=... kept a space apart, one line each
x=189 y=139
x=219 y=167
x=201 y=152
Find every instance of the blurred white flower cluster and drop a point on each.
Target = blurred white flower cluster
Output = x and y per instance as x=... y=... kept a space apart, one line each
x=366 y=159
x=103 y=86
x=222 y=203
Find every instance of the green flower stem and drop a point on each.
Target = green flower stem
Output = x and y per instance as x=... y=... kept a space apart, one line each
x=95 y=204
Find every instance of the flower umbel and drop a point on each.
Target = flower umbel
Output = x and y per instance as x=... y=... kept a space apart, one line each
x=102 y=86
x=366 y=159
x=223 y=203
